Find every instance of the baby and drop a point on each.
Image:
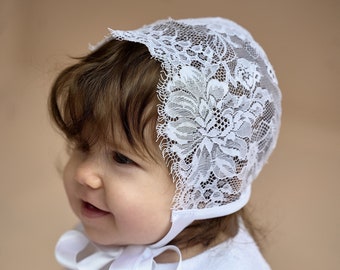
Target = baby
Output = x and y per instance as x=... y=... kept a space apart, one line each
x=168 y=126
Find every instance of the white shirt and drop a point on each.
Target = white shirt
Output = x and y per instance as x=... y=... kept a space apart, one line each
x=238 y=253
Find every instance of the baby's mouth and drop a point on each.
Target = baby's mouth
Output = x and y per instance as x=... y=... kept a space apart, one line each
x=91 y=211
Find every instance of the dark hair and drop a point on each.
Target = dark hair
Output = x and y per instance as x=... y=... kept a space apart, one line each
x=113 y=89
x=108 y=91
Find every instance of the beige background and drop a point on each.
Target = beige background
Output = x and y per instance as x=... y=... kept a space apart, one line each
x=297 y=195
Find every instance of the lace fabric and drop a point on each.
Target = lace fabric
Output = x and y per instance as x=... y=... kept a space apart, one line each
x=220 y=107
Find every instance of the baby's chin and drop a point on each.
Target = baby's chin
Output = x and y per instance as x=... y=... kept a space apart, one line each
x=100 y=237
x=104 y=240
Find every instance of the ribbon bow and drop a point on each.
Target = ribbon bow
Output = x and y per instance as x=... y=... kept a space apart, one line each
x=76 y=252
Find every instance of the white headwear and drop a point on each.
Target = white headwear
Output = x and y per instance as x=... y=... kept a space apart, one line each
x=219 y=115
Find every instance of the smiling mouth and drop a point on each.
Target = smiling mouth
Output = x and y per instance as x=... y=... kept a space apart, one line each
x=91 y=211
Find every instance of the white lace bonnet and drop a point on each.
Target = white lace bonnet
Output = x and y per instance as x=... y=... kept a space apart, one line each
x=219 y=115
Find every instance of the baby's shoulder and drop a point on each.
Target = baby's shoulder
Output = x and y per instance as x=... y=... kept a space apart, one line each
x=239 y=253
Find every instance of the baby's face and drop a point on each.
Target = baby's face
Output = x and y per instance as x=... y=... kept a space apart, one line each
x=119 y=197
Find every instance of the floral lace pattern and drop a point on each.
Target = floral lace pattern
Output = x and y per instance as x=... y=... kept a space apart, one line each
x=220 y=107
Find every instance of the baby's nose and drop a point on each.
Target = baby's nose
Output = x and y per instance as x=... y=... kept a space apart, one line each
x=88 y=174
x=93 y=182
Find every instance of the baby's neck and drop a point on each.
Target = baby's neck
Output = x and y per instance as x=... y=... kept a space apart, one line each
x=171 y=256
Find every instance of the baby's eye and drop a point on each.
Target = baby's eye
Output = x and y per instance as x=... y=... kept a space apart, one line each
x=121 y=159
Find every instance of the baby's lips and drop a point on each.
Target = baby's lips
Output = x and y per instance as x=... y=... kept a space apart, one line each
x=91 y=211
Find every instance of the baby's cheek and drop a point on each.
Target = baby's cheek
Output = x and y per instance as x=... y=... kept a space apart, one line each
x=145 y=225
